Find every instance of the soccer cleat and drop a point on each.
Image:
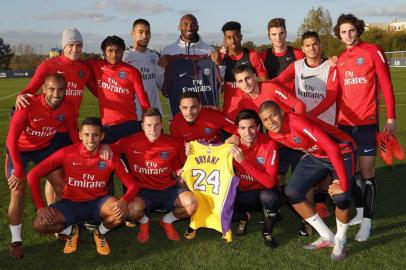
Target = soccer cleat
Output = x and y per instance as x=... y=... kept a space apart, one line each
x=338 y=253
x=319 y=244
x=130 y=224
x=190 y=233
x=241 y=228
x=306 y=229
x=61 y=237
x=358 y=218
x=170 y=231
x=71 y=244
x=397 y=148
x=16 y=250
x=143 y=234
x=364 y=231
x=102 y=246
x=269 y=239
x=322 y=210
x=385 y=149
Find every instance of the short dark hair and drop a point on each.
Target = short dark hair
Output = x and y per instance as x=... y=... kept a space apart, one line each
x=56 y=76
x=277 y=22
x=92 y=121
x=231 y=26
x=190 y=94
x=151 y=112
x=140 y=21
x=269 y=104
x=247 y=114
x=310 y=34
x=349 y=18
x=242 y=68
x=112 y=41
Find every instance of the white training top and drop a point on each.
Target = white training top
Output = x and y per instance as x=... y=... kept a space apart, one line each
x=182 y=47
x=152 y=75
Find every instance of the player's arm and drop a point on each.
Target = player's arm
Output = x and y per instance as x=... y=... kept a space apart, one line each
x=284 y=96
x=325 y=143
x=385 y=82
x=258 y=66
x=139 y=90
x=226 y=124
x=331 y=94
x=127 y=179
x=286 y=76
x=44 y=168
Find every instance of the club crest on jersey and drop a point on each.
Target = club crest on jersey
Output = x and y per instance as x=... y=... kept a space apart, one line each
x=61 y=117
x=359 y=61
x=206 y=71
x=81 y=74
x=122 y=74
x=102 y=165
x=207 y=130
x=152 y=61
x=297 y=140
x=260 y=160
x=164 y=155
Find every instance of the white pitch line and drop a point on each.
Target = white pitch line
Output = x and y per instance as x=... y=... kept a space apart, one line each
x=6 y=97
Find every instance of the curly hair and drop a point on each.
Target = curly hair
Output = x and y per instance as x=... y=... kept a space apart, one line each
x=349 y=18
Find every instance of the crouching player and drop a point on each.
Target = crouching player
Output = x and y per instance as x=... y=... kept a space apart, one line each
x=85 y=195
x=327 y=151
x=256 y=163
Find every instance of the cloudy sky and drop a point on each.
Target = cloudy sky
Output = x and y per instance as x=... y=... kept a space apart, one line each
x=41 y=22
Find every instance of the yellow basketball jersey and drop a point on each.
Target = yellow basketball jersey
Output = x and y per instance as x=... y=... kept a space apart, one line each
x=209 y=174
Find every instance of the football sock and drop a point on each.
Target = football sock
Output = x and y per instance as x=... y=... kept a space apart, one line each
x=67 y=230
x=270 y=219
x=15 y=233
x=341 y=230
x=357 y=190
x=318 y=224
x=103 y=229
x=368 y=197
x=144 y=219
x=169 y=218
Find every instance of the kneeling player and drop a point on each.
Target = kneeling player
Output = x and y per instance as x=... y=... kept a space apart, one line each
x=153 y=158
x=328 y=151
x=85 y=195
x=257 y=166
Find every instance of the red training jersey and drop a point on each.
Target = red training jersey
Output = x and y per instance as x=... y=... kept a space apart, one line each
x=362 y=72
x=32 y=128
x=152 y=163
x=86 y=175
x=260 y=167
x=318 y=139
x=116 y=87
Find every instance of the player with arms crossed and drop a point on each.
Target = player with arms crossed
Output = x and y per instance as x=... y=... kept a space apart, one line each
x=29 y=138
x=362 y=73
x=84 y=193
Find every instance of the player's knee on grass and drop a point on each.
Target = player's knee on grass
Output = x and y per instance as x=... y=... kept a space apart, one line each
x=136 y=209
x=270 y=199
x=188 y=201
x=342 y=201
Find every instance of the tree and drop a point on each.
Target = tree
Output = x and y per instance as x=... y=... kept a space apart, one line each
x=5 y=54
x=317 y=20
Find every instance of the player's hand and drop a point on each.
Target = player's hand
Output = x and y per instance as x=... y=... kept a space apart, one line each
x=390 y=126
x=14 y=183
x=120 y=209
x=233 y=139
x=216 y=57
x=105 y=152
x=335 y=188
x=164 y=61
x=332 y=60
x=46 y=215
x=237 y=153
x=22 y=101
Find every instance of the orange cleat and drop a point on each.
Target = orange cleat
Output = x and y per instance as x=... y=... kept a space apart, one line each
x=143 y=234
x=322 y=210
x=397 y=148
x=385 y=149
x=170 y=231
x=16 y=250
x=71 y=244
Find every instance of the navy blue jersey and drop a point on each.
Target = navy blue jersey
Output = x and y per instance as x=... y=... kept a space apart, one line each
x=195 y=73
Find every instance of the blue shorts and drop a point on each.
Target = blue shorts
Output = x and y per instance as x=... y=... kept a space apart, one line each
x=75 y=212
x=26 y=156
x=312 y=170
x=116 y=132
x=160 y=199
x=364 y=137
x=288 y=158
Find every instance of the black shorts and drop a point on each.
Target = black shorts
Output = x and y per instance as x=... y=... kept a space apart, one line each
x=364 y=137
x=115 y=132
x=160 y=199
x=288 y=158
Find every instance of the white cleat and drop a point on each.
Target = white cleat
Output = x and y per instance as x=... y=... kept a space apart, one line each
x=364 y=231
x=319 y=244
x=358 y=217
x=338 y=253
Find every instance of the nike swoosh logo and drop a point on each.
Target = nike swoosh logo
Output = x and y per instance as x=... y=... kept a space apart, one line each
x=244 y=63
x=60 y=72
x=368 y=150
x=137 y=152
x=185 y=135
x=38 y=119
x=183 y=74
x=288 y=58
x=307 y=77
x=347 y=158
x=76 y=163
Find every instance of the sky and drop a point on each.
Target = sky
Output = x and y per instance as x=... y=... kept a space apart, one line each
x=40 y=23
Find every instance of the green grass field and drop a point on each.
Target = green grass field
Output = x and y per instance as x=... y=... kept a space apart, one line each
x=386 y=249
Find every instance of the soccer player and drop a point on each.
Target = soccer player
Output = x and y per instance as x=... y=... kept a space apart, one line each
x=31 y=131
x=328 y=151
x=280 y=55
x=153 y=158
x=84 y=193
x=256 y=164
x=146 y=61
x=117 y=83
x=196 y=123
x=235 y=56
x=362 y=73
